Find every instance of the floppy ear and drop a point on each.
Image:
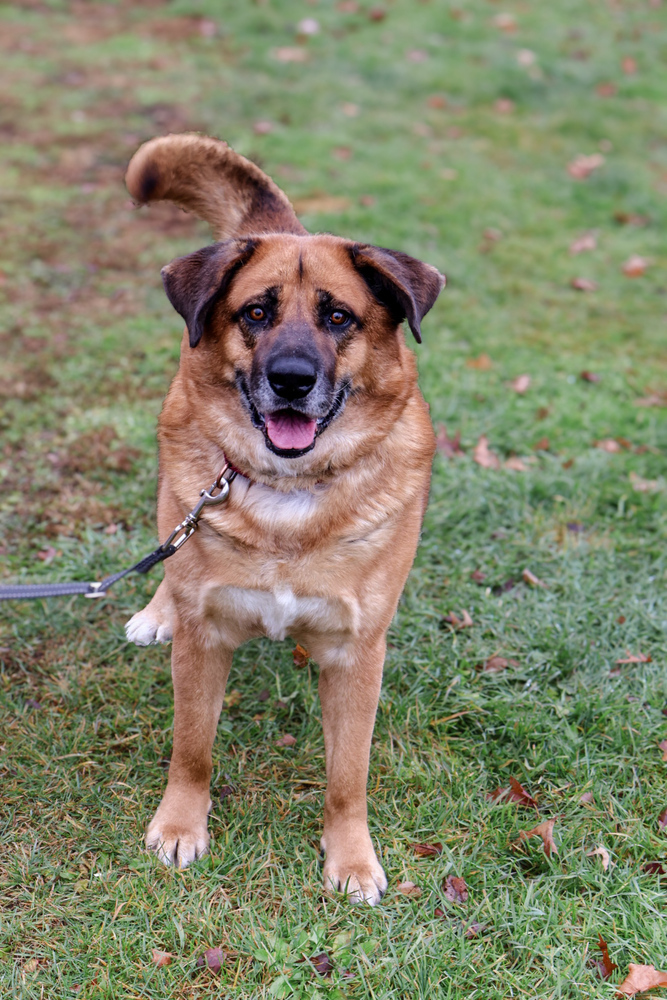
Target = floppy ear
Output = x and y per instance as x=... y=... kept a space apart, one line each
x=406 y=286
x=195 y=283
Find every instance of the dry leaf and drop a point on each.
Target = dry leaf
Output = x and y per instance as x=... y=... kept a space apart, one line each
x=586 y=241
x=629 y=65
x=654 y=399
x=495 y=664
x=583 y=284
x=437 y=101
x=46 y=555
x=542 y=444
x=654 y=868
x=643 y=485
x=473 y=929
x=417 y=56
x=605 y=965
x=483 y=455
x=232 y=698
x=322 y=965
x=377 y=14
x=308 y=26
x=455 y=889
x=631 y=219
x=608 y=444
x=427 y=850
x=606 y=89
x=520 y=384
x=161 y=958
x=262 y=128
x=635 y=266
x=515 y=793
x=286 y=741
x=604 y=854
x=515 y=464
x=288 y=54
x=504 y=106
x=663 y=746
x=477 y=576
x=409 y=889
x=506 y=22
x=526 y=58
x=641 y=978
x=300 y=656
x=531 y=579
x=343 y=153
x=635 y=658
x=449 y=447
x=464 y=622
x=483 y=363
x=582 y=166
x=587 y=798
x=662 y=820
x=349 y=109
x=31 y=965
x=545 y=831
x=213 y=959
x=586 y=376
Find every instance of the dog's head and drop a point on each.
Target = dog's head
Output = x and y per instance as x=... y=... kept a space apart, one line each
x=295 y=327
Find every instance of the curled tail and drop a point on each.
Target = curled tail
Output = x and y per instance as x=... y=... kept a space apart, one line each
x=205 y=176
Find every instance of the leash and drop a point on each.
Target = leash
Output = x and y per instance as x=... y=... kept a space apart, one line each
x=216 y=494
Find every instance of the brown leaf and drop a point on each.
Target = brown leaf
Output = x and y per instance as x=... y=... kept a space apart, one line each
x=427 y=850
x=542 y=444
x=409 y=889
x=587 y=798
x=583 y=284
x=483 y=363
x=464 y=622
x=225 y=792
x=545 y=831
x=473 y=929
x=349 y=109
x=635 y=266
x=606 y=966
x=263 y=128
x=477 y=576
x=582 y=166
x=286 y=741
x=288 y=54
x=377 y=13
x=606 y=89
x=232 y=698
x=590 y=377
x=322 y=964
x=213 y=959
x=642 y=485
x=663 y=746
x=629 y=65
x=505 y=22
x=483 y=455
x=531 y=579
x=46 y=555
x=641 y=978
x=161 y=958
x=342 y=153
x=654 y=868
x=662 y=820
x=631 y=219
x=515 y=793
x=604 y=855
x=635 y=658
x=654 y=399
x=587 y=241
x=495 y=664
x=437 y=101
x=417 y=56
x=300 y=656
x=264 y=695
x=608 y=444
x=455 y=889
x=504 y=106
x=449 y=447
x=520 y=384
x=348 y=6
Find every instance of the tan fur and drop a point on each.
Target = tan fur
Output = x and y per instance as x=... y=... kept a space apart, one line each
x=317 y=547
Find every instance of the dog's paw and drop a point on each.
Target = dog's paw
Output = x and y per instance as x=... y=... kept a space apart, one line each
x=360 y=876
x=143 y=629
x=177 y=842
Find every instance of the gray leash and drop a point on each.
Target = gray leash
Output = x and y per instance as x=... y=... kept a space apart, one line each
x=171 y=545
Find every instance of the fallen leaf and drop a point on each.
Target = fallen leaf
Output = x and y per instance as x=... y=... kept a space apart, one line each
x=506 y=22
x=31 y=965
x=409 y=889
x=526 y=58
x=545 y=831
x=515 y=793
x=542 y=444
x=464 y=622
x=606 y=89
x=324 y=204
x=662 y=820
x=631 y=219
x=264 y=695
x=629 y=65
x=417 y=56
x=604 y=855
x=504 y=106
x=635 y=266
x=286 y=741
x=342 y=153
x=349 y=109
x=308 y=26
x=262 y=128
x=473 y=929
x=531 y=579
x=586 y=376
x=213 y=959
x=482 y=363
x=437 y=101
x=288 y=54
x=348 y=7
x=300 y=656
x=225 y=792
x=583 y=285
x=477 y=576
x=576 y=527
x=587 y=241
x=621 y=619
x=490 y=237
x=587 y=798
x=449 y=447
x=367 y=200
x=654 y=868
x=377 y=14
x=641 y=978
x=427 y=850
x=483 y=455
x=608 y=444
x=643 y=485
x=655 y=399
x=232 y=698
x=604 y=965
x=32 y=703
x=520 y=384
x=583 y=166
x=635 y=658
x=46 y=555
x=663 y=746
x=515 y=464
x=455 y=889
x=322 y=964
x=161 y=958
x=495 y=664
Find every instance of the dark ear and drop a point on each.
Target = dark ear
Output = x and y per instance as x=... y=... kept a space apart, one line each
x=195 y=283
x=406 y=286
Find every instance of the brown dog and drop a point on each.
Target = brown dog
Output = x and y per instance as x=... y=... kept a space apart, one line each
x=294 y=369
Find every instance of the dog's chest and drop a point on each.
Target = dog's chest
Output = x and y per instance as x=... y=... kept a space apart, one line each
x=279 y=612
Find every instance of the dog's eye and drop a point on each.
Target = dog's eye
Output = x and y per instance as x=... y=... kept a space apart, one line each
x=339 y=318
x=255 y=314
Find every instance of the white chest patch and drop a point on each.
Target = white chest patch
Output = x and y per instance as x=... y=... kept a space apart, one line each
x=276 y=613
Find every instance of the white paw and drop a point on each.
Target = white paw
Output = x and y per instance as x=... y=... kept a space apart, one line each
x=178 y=843
x=143 y=630
x=362 y=882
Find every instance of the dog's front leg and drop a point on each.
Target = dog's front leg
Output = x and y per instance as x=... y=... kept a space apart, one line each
x=178 y=831
x=349 y=695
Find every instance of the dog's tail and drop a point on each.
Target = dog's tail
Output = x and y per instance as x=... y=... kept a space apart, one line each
x=205 y=176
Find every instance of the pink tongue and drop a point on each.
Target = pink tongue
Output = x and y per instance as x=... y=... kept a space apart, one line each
x=290 y=431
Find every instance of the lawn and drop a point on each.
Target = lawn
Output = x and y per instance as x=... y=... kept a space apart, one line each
x=451 y=130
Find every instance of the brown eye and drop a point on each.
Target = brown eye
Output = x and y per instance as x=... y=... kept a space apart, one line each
x=256 y=314
x=338 y=317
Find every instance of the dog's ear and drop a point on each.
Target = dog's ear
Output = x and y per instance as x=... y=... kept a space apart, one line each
x=406 y=286
x=195 y=283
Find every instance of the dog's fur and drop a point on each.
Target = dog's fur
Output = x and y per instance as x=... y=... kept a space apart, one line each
x=315 y=542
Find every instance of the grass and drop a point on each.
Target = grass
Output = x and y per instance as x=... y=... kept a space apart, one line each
x=425 y=162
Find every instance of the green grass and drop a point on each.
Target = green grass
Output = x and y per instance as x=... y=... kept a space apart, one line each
x=89 y=345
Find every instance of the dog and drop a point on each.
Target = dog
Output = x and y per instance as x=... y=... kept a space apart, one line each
x=294 y=370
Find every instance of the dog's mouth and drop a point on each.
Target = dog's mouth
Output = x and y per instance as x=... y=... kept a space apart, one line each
x=288 y=432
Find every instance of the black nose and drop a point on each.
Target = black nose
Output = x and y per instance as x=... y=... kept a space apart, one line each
x=290 y=377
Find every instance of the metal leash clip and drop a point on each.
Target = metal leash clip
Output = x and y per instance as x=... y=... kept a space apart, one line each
x=209 y=498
